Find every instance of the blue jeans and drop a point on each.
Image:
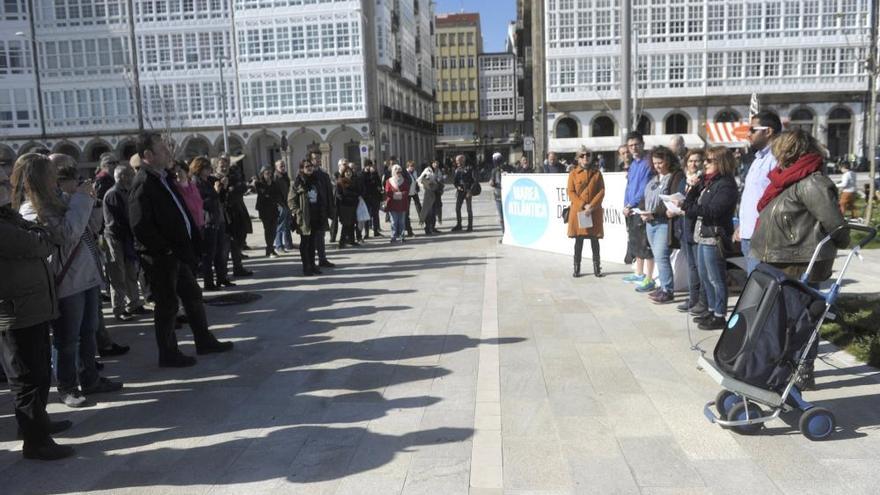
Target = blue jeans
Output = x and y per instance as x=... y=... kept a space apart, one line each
x=283 y=238
x=713 y=278
x=751 y=263
x=500 y=212
x=73 y=336
x=695 y=292
x=658 y=238
x=398 y=222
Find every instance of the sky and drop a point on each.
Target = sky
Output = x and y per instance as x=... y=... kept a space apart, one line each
x=494 y=17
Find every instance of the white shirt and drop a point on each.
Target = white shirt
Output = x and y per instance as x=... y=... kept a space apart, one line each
x=848 y=182
x=756 y=183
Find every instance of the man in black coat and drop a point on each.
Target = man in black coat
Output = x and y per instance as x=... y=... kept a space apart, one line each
x=328 y=187
x=166 y=240
x=122 y=260
x=465 y=182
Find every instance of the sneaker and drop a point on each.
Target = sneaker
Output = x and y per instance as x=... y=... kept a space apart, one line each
x=326 y=264
x=663 y=297
x=713 y=323
x=700 y=318
x=633 y=278
x=647 y=285
x=698 y=309
x=102 y=386
x=50 y=451
x=123 y=316
x=273 y=255
x=683 y=307
x=72 y=398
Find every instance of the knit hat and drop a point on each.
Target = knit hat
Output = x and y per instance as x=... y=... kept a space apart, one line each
x=108 y=160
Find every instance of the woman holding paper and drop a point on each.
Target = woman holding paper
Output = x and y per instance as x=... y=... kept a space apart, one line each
x=659 y=216
x=586 y=190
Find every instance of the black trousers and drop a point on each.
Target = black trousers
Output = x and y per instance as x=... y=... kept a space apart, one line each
x=26 y=358
x=214 y=255
x=307 y=248
x=431 y=219
x=373 y=206
x=270 y=225
x=233 y=246
x=171 y=280
x=334 y=227
x=579 y=248
x=461 y=197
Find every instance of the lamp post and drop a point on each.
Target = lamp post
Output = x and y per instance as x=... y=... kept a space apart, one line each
x=35 y=60
x=220 y=60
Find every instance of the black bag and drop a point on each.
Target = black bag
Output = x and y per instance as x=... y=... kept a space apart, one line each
x=565 y=212
x=476 y=189
x=768 y=329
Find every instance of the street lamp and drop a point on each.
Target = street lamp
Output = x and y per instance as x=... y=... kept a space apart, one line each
x=35 y=61
x=222 y=94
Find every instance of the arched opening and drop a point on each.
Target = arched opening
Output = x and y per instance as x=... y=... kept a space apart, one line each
x=346 y=143
x=69 y=149
x=727 y=115
x=195 y=146
x=839 y=132
x=126 y=149
x=95 y=149
x=302 y=143
x=644 y=126
x=676 y=124
x=264 y=149
x=603 y=126
x=802 y=118
x=566 y=127
x=236 y=145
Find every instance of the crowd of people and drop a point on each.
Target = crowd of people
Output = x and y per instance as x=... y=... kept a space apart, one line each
x=691 y=200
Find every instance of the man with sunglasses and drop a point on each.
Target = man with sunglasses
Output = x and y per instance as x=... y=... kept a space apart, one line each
x=765 y=125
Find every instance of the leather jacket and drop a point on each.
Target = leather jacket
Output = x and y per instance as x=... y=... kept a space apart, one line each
x=791 y=226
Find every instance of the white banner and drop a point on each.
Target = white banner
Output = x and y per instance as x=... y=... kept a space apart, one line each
x=533 y=206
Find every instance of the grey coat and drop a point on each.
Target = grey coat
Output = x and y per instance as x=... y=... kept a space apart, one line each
x=67 y=231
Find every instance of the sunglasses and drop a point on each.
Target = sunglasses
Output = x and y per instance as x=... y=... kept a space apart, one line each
x=584 y=156
x=757 y=128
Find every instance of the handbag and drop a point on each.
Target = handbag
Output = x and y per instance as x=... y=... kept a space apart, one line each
x=565 y=212
x=476 y=189
x=363 y=213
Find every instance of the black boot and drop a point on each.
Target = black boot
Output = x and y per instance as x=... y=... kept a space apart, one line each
x=597 y=260
x=577 y=267
x=578 y=254
x=597 y=269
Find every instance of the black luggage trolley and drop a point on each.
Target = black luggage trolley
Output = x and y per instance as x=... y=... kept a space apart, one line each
x=765 y=343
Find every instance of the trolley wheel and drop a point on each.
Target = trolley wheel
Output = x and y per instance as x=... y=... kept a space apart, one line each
x=724 y=401
x=817 y=423
x=738 y=413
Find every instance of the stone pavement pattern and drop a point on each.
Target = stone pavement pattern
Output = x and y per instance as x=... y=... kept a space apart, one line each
x=444 y=366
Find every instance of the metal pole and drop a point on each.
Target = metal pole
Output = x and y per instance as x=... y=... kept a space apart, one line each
x=223 y=106
x=872 y=113
x=634 y=122
x=36 y=61
x=625 y=68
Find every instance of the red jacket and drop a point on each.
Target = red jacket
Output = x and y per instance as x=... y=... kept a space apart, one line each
x=392 y=204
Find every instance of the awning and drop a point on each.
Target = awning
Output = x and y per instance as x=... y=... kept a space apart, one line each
x=727 y=133
x=611 y=143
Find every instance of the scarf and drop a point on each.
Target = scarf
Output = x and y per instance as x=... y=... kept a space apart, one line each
x=781 y=178
x=396 y=182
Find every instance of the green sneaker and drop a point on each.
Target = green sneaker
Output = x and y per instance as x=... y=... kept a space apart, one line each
x=633 y=278
x=646 y=285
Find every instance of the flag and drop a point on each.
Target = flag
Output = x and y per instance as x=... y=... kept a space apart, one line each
x=754 y=106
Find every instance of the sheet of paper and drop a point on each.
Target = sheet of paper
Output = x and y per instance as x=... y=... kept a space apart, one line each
x=638 y=211
x=585 y=220
x=672 y=197
x=670 y=200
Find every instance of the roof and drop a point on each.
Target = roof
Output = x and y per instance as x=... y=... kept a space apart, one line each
x=463 y=19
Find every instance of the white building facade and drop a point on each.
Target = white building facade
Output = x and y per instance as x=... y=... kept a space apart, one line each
x=699 y=61
x=501 y=105
x=301 y=72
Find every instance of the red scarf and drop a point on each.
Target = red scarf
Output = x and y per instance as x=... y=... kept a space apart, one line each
x=781 y=178
x=708 y=178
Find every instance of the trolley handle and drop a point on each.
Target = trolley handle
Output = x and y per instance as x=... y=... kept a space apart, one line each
x=871 y=231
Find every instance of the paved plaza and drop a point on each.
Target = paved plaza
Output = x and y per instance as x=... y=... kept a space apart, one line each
x=449 y=365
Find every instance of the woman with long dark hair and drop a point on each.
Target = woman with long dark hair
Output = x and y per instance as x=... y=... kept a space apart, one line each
x=347 y=195
x=268 y=201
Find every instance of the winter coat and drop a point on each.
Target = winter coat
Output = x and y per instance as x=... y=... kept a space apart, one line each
x=675 y=184
x=269 y=199
x=68 y=230
x=428 y=181
x=211 y=204
x=716 y=206
x=464 y=179
x=239 y=220
x=27 y=294
x=793 y=224
x=586 y=187
x=373 y=190
x=116 y=224
x=159 y=226
x=309 y=217
x=346 y=202
x=282 y=183
x=396 y=204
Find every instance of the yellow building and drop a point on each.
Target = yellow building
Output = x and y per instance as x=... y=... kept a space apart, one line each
x=457 y=43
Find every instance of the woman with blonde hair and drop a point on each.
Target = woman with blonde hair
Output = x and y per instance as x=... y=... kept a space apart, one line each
x=798 y=209
x=77 y=272
x=586 y=190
